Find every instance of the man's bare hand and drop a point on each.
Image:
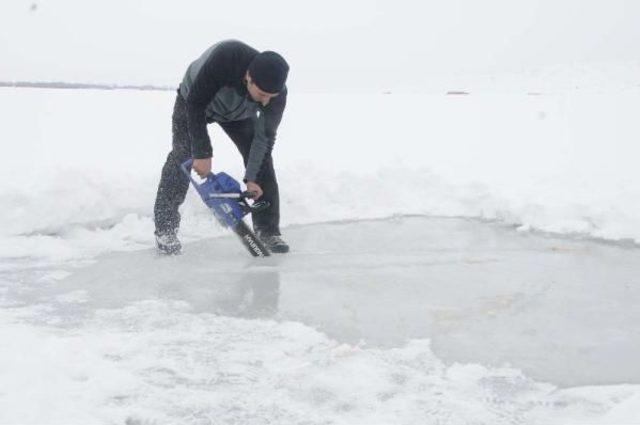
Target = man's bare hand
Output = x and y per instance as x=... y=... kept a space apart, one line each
x=202 y=166
x=254 y=187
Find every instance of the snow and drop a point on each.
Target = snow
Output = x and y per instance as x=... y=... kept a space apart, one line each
x=427 y=318
x=85 y=164
x=157 y=363
x=456 y=259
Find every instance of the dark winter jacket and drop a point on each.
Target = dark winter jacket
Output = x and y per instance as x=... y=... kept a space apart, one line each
x=214 y=91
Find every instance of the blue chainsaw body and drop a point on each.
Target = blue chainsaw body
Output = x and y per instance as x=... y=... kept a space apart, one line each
x=224 y=197
x=228 y=211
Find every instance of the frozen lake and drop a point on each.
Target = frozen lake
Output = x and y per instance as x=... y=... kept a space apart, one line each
x=562 y=311
x=413 y=319
x=382 y=321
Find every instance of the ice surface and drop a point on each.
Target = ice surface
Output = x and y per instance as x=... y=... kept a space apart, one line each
x=560 y=310
x=383 y=321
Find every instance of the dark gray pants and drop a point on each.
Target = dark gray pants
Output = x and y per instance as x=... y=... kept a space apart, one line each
x=173 y=186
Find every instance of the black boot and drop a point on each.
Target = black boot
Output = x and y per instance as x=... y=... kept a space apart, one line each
x=168 y=243
x=274 y=243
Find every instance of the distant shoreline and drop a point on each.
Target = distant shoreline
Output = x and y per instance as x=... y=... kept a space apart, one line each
x=65 y=85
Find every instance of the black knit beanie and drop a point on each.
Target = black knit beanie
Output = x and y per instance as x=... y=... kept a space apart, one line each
x=269 y=71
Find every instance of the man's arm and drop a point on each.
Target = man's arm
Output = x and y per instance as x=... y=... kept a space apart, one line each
x=265 y=135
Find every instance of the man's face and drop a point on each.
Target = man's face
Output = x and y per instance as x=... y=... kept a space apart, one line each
x=256 y=93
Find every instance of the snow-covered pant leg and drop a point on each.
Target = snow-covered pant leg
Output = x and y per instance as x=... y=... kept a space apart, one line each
x=267 y=221
x=173 y=186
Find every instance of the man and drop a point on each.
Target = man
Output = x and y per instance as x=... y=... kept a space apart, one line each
x=244 y=91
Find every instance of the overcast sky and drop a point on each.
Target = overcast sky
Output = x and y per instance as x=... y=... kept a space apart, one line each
x=331 y=43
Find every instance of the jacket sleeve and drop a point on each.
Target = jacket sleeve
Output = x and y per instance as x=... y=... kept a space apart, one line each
x=265 y=135
x=211 y=77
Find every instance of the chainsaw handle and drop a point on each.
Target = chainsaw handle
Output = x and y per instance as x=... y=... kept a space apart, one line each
x=248 y=194
x=187 y=164
x=259 y=206
x=186 y=169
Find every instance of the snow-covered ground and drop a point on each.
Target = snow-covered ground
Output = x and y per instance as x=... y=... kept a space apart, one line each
x=84 y=164
x=456 y=259
x=495 y=283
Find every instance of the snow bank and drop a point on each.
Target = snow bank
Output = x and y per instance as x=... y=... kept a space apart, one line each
x=82 y=166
